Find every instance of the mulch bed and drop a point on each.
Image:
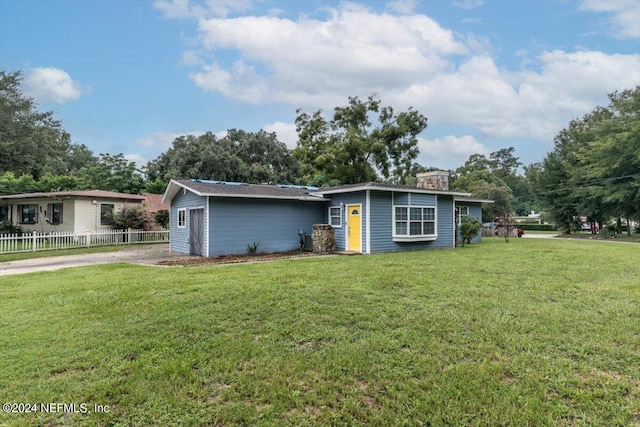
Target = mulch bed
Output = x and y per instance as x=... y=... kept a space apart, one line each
x=236 y=259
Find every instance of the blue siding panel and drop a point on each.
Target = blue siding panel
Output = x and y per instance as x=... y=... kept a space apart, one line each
x=381 y=215
x=273 y=224
x=446 y=222
x=382 y=203
x=179 y=241
x=355 y=198
x=475 y=211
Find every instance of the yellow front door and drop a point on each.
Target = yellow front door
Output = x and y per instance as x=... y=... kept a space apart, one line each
x=353 y=228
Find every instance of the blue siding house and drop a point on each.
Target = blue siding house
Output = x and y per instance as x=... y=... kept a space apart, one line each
x=211 y=218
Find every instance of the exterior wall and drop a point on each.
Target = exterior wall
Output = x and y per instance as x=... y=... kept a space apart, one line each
x=382 y=203
x=86 y=215
x=78 y=214
x=273 y=224
x=342 y=200
x=179 y=241
x=475 y=211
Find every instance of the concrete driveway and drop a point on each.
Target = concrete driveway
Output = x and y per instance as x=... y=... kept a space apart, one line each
x=146 y=255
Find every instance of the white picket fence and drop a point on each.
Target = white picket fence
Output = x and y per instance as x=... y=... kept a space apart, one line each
x=11 y=243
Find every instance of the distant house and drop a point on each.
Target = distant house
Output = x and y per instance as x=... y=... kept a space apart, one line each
x=211 y=218
x=69 y=211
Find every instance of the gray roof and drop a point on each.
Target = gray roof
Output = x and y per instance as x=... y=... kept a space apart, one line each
x=292 y=192
x=242 y=190
x=97 y=194
x=385 y=187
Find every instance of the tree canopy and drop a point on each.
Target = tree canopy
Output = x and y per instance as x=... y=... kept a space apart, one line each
x=33 y=142
x=594 y=168
x=239 y=156
x=350 y=148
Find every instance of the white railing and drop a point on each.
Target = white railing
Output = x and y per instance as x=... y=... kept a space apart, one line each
x=11 y=243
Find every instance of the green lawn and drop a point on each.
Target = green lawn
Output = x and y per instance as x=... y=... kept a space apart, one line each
x=530 y=333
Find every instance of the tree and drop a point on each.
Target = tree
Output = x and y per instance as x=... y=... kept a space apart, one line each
x=349 y=148
x=594 y=169
x=31 y=142
x=500 y=169
x=239 y=156
x=113 y=173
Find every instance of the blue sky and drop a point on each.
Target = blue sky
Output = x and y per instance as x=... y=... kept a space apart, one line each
x=130 y=75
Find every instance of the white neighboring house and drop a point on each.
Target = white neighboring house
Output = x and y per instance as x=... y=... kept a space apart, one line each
x=64 y=211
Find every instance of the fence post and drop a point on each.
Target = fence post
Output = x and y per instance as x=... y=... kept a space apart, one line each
x=88 y=238
x=34 y=233
x=129 y=236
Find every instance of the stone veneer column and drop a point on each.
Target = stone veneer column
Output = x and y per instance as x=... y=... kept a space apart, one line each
x=324 y=239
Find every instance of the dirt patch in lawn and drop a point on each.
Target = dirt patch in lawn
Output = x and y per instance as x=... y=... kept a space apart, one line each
x=236 y=259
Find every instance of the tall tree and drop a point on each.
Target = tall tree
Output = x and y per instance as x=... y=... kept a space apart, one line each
x=31 y=142
x=594 y=169
x=239 y=156
x=113 y=173
x=350 y=148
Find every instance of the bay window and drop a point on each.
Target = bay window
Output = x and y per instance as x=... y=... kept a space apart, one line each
x=414 y=223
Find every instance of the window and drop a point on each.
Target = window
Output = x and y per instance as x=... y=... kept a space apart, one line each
x=182 y=218
x=462 y=212
x=5 y=213
x=335 y=216
x=106 y=213
x=54 y=213
x=28 y=214
x=414 y=223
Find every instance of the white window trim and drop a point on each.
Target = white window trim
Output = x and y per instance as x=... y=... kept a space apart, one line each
x=460 y=210
x=340 y=216
x=407 y=237
x=184 y=224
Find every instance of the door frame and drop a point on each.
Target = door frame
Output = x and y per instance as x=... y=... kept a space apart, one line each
x=202 y=228
x=348 y=228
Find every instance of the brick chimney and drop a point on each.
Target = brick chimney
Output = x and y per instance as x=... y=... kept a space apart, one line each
x=436 y=180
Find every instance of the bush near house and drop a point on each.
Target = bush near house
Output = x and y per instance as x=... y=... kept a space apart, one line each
x=136 y=218
x=469 y=228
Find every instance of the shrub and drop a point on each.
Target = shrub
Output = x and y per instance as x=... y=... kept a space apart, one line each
x=162 y=218
x=8 y=228
x=136 y=218
x=469 y=228
x=537 y=227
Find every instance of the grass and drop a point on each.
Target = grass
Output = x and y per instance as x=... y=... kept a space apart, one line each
x=533 y=332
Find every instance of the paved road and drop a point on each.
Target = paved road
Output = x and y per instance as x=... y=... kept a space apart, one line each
x=147 y=254
x=538 y=236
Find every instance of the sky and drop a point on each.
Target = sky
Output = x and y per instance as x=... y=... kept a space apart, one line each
x=129 y=76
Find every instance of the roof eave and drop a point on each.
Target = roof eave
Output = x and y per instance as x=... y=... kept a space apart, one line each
x=382 y=188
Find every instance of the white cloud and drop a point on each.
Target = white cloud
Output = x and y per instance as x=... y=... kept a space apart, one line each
x=408 y=60
x=449 y=152
x=53 y=85
x=139 y=160
x=624 y=15
x=286 y=133
x=402 y=6
x=162 y=140
x=523 y=104
x=309 y=62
